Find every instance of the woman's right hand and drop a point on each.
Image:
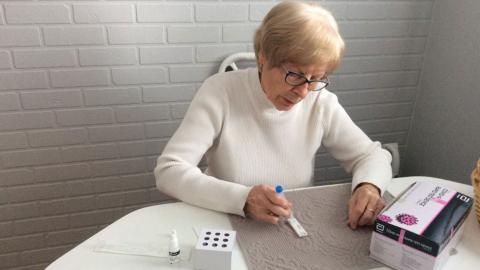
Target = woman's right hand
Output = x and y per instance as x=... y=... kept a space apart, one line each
x=264 y=204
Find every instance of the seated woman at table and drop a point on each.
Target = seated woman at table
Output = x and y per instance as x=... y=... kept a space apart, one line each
x=262 y=126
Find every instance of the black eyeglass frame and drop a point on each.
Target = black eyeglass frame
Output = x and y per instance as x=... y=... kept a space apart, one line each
x=325 y=81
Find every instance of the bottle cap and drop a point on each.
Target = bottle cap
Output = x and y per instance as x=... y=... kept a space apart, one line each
x=279 y=189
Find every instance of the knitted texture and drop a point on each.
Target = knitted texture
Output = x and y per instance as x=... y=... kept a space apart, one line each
x=330 y=243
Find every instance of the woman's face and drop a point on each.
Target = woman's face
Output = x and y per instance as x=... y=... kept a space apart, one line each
x=282 y=95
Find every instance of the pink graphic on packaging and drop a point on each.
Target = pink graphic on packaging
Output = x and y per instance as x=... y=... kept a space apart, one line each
x=401 y=236
x=407 y=219
x=440 y=201
x=385 y=218
x=418 y=207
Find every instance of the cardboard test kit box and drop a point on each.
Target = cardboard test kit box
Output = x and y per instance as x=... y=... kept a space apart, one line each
x=420 y=227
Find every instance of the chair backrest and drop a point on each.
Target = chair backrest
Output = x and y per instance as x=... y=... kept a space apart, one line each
x=229 y=63
x=393 y=149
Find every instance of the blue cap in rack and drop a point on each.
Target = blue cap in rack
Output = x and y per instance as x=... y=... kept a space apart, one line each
x=279 y=189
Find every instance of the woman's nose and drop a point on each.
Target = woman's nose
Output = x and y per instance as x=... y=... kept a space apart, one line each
x=301 y=90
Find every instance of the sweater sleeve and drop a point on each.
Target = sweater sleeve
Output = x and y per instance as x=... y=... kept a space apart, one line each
x=366 y=160
x=177 y=173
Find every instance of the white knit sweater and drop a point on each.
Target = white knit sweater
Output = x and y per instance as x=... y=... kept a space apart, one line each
x=248 y=142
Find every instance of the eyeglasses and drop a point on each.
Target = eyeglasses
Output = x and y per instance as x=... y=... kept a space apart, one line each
x=297 y=79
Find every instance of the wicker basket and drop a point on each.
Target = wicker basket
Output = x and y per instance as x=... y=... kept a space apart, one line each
x=476 y=188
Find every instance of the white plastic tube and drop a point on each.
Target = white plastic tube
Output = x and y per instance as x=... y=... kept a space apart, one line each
x=292 y=221
x=173 y=248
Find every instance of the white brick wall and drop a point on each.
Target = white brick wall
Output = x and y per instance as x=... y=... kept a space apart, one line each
x=5 y=61
x=14 y=80
x=44 y=58
x=138 y=75
x=13 y=140
x=89 y=152
x=51 y=99
x=107 y=57
x=79 y=77
x=221 y=13
x=165 y=13
x=12 y=36
x=103 y=13
x=26 y=120
x=60 y=137
x=112 y=96
x=91 y=91
x=116 y=133
x=36 y=13
x=73 y=35
x=9 y=102
x=193 y=34
x=166 y=55
x=134 y=34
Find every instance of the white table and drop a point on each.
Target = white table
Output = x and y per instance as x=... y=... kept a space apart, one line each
x=150 y=225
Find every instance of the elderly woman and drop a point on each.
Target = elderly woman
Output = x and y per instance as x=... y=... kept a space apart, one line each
x=262 y=126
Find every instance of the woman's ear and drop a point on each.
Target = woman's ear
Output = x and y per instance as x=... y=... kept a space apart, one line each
x=261 y=61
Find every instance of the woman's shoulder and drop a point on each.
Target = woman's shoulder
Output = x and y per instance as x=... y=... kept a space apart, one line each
x=326 y=98
x=222 y=86
x=327 y=104
x=228 y=78
x=225 y=84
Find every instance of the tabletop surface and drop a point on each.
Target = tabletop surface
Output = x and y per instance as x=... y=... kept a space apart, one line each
x=139 y=240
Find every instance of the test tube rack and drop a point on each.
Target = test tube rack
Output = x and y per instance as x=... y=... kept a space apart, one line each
x=213 y=250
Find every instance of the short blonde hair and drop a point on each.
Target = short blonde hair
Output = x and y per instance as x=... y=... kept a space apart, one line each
x=300 y=33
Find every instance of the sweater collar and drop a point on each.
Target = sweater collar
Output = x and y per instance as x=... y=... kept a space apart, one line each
x=259 y=98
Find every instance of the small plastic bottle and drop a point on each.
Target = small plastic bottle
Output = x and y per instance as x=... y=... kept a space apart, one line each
x=173 y=248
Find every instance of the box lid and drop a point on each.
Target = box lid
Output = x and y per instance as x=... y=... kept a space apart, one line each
x=425 y=216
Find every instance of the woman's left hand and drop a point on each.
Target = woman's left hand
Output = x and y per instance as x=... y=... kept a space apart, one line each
x=364 y=205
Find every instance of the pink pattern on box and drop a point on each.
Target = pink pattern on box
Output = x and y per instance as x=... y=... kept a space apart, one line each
x=440 y=201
